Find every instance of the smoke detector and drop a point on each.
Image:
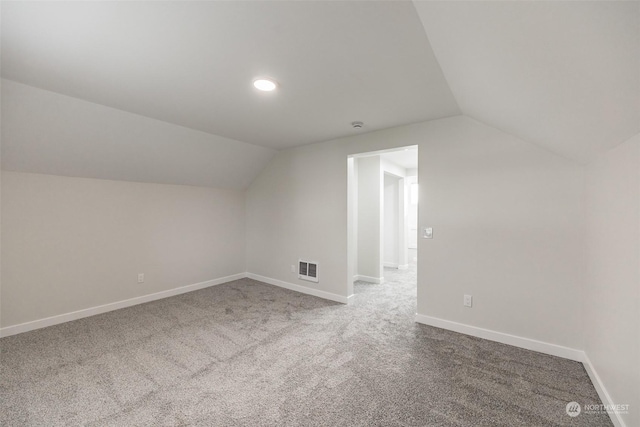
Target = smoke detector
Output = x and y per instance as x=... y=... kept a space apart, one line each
x=357 y=125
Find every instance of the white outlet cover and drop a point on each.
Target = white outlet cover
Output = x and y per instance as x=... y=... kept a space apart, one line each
x=427 y=232
x=468 y=301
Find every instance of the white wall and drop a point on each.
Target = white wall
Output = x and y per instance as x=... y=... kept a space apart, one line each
x=74 y=243
x=352 y=223
x=412 y=214
x=612 y=303
x=508 y=222
x=397 y=235
x=1 y=200
x=370 y=221
x=391 y=167
x=507 y=218
x=391 y=220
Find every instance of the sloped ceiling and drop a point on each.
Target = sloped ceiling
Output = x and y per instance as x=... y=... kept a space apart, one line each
x=193 y=63
x=564 y=75
x=45 y=132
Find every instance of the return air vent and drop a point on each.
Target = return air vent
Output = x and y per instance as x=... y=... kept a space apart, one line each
x=308 y=270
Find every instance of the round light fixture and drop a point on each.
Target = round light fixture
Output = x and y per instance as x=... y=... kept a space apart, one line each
x=265 y=85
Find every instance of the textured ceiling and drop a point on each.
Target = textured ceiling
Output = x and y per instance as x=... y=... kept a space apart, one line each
x=563 y=75
x=192 y=63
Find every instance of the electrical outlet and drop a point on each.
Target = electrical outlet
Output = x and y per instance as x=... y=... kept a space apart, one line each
x=293 y=268
x=140 y=277
x=468 y=301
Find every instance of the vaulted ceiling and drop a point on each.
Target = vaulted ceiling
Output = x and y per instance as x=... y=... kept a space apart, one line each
x=193 y=63
x=562 y=75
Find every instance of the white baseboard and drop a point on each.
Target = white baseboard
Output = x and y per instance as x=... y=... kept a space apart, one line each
x=369 y=279
x=87 y=312
x=299 y=288
x=394 y=265
x=527 y=343
x=602 y=391
x=534 y=345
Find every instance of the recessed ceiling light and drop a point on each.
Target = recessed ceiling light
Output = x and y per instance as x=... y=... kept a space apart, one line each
x=265 y=85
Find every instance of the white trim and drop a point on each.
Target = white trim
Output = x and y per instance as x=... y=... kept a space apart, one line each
x=390 y=264
x=87 y=312
x=602 y=392
x=403 y=267
x=299 y=288
x=369 y=279
x=527 y=343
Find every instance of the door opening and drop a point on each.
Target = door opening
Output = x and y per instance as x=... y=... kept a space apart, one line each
x=382 y=221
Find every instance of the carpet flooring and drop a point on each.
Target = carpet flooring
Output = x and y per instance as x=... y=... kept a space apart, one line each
x=250 y=354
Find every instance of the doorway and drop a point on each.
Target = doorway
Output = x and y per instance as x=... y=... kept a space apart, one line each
x=382 y=220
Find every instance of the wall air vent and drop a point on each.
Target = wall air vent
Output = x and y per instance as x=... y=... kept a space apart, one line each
x=308 y=270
